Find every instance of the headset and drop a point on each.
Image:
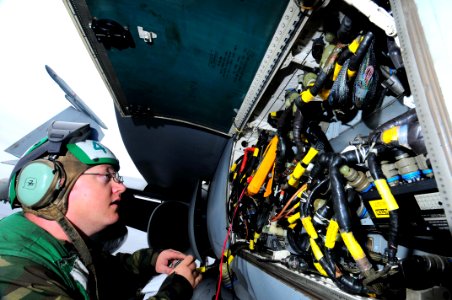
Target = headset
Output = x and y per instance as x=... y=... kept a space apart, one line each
x=35 y=181
x=39 y=182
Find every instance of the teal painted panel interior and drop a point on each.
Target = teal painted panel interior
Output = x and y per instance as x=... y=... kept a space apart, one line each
x=203 y=60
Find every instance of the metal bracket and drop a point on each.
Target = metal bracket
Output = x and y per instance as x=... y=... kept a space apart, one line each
x=147 y=36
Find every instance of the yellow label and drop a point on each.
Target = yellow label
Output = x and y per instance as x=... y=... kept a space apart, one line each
x=385 y=193
x=379 y=208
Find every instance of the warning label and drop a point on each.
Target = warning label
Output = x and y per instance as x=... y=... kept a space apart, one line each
x=379 y=208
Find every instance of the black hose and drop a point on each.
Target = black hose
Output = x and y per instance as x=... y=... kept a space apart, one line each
x=312 y=195
x=405 y=118
x=344 y=282
x=355 y=60
x=318 y=138
x=297 y=125
x=322 y=162
x=345 y=31
x=338 y=194
x=377 y=173
x=319 y=82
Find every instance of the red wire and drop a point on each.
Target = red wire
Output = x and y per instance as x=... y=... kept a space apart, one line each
x=224 y=245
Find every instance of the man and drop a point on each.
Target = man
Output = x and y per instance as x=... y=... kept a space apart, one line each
x=69 y=190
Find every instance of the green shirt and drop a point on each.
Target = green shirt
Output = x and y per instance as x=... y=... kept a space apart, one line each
x=35 y=265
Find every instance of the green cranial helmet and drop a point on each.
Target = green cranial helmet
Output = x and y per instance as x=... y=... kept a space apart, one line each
x=42 y=180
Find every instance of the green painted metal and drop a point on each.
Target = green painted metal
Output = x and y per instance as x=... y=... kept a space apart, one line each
x=203 y=60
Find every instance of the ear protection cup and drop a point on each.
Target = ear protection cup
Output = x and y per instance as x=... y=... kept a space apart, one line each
x=39 y=182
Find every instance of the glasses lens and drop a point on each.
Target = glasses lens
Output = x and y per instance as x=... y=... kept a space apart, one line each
x=117 y=178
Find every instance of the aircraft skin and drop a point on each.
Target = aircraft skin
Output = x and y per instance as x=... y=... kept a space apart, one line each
x=73 y=98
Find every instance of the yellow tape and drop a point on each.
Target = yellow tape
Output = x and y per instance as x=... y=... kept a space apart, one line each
x=306 y=96
x=293 y=225
x=385 y=193
x=309 y=227
x=233 y=167
x=273 y=113
x=355 y=44
x=230 y=259
x=331 y=234
x=350 y=73
x=320 y=269
x=296 y=174
x=256 y=236
x=312 y=152
x=337 y=70
x=256 y=152
x=379 y=208
x=251 y=245
x=293 y=218
x=316 y=249
x=324 y=93
x=390 y=135
x=353 y=246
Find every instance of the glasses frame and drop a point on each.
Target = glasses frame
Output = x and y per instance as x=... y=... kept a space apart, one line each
x=114 y=175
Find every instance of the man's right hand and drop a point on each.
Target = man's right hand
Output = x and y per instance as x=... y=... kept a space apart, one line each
x=187 y=269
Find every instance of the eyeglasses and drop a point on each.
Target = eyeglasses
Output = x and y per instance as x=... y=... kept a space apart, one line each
x=115 y=176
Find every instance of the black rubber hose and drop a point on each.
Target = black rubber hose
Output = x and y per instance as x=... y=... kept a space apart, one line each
x=319 y=82
x=394 y=53
x=345 y=31
x=356 y=60
x=393 y=236
x=377 y=173
x=344 y=282
x=338 y=194
x=320 y=140
x=280 y=162
x=405 y=118
x=323 y=161
x=297 y=125
x=374 y=169
x=345 y=54
x=283 y=120
x=312 y=195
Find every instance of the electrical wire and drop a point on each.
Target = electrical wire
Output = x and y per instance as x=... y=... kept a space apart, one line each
x=280 y=214
x=225 y=243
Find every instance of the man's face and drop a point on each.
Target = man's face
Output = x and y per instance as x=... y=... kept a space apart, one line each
x=93 y=201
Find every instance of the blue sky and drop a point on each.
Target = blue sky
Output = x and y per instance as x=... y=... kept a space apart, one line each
x=36 y=33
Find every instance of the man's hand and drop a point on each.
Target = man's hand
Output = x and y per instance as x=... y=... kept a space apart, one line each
x=165 y=258
x=187 y=269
